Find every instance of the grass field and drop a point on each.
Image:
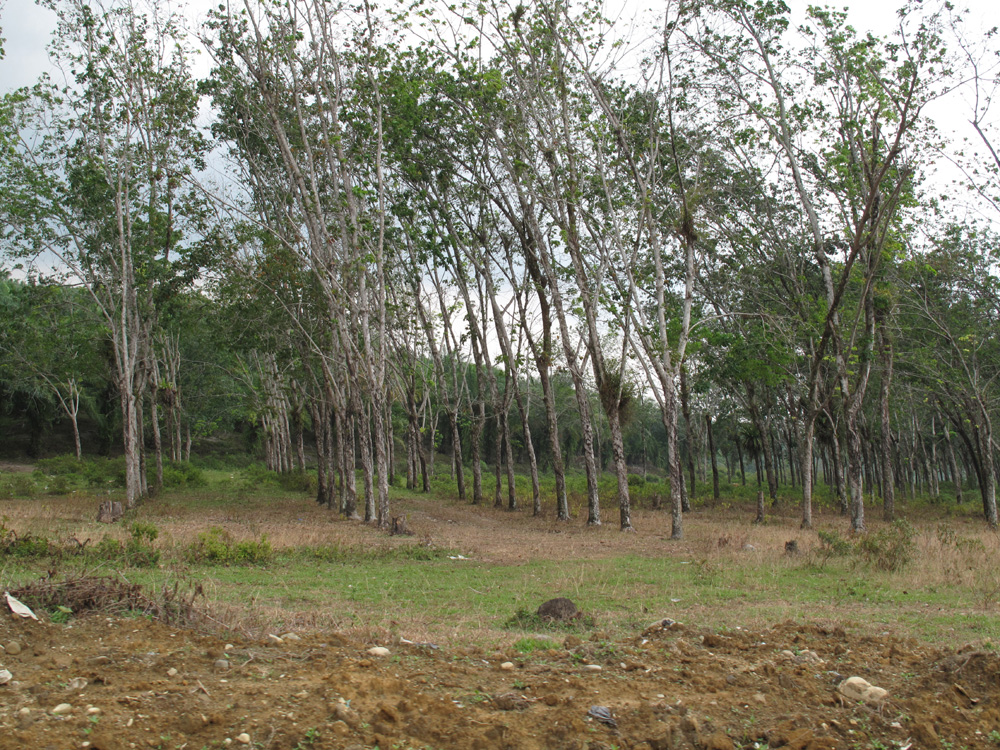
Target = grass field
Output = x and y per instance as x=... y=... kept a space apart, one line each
x=268 y=559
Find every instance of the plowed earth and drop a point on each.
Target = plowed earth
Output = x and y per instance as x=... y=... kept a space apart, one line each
x=139 y=683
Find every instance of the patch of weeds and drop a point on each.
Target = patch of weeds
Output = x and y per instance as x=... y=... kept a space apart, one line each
x=832 y=544
x=137 y=552
x=890 y=549
x=308 y=740
x=530 y=645
x=298 y=481
x=524 y=619
x=26 y=546
x=59 y=486
x=994 y=737
x=60 y=614
x=181 y=474
x=217 y=547
x=18 y=485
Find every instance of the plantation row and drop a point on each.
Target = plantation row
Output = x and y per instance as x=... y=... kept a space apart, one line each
x=520 y=239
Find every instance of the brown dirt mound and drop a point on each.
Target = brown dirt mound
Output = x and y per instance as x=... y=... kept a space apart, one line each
x=139 y=683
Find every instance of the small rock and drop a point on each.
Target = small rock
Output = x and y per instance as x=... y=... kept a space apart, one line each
x=875 y=696
x=592 y=667
x=243 y=739
x=101 y=660
x=378 y=651
x=511 y=702
x=507 y=666
x=172 y=672
x=13 y=648
x=603 y=715
x=760 y=698
x=274 y=639
x=229 y=647
x=25 y=711
x=5 y=676
x=221 y=664
x=77 y=683
x=93 y=710
x=291 y=637
x=346 y=714
x=808 y=657
x=859 y=689
x=62 y=708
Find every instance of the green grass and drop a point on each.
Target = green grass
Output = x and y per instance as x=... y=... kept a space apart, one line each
x=356 y=575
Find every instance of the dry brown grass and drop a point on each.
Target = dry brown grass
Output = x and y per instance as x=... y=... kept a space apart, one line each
x=726 y=572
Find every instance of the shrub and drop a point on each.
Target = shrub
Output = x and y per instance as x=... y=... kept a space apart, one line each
x=179 y=474
x=65 y=465
x=832 y=544
x=22 y=546
x=217 y=546
x=22 y=485
x=137 y=552
x=298 y=482
x=890 y=548
x=59 y=486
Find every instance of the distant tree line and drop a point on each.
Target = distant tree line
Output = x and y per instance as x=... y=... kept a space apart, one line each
x=510 y=237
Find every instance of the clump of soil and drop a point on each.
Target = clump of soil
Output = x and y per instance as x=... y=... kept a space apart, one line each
x=120 y=683
x=561 y=609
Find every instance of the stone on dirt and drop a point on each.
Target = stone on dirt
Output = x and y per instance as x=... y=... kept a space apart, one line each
x=62 y=708
x=378 y=651
x=859 y=689
x=13 y=648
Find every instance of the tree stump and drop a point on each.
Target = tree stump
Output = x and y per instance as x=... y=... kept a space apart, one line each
x=399 y=527
x=109 y=512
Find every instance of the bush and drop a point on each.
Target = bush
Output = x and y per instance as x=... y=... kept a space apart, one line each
x=60 y=465
x=19 y=485
x=890 y=548
x=22 y=546
x=832 y=544
x=179 y=474
x=137 y=552
x=298 y=482
x=217 y=546
x=59 y=486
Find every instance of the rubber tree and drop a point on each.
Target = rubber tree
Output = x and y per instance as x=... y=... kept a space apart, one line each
x=99 y=181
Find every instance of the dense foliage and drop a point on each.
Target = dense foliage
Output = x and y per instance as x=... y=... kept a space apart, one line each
x=508 y=236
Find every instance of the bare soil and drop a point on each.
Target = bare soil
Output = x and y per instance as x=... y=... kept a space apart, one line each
x=138 y=683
